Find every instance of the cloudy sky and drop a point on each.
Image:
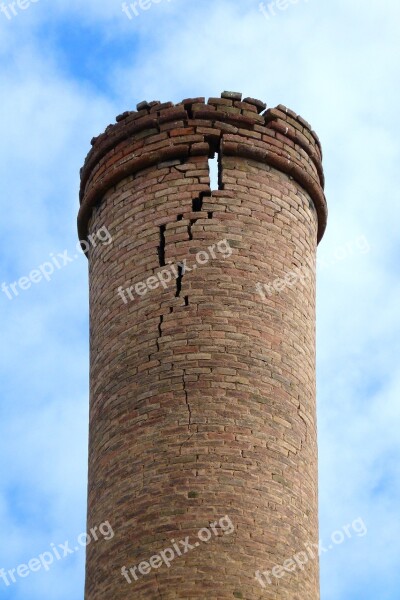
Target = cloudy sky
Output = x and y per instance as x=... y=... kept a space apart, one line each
x=67 y=68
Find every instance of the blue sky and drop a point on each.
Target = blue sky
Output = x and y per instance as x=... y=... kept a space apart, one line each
x=67 y=69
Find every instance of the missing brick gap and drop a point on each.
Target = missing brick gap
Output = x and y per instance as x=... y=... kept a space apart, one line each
x=179 y=217
x=186 y=300
x=215 y=164
x=197 y=204
x=161 y=247
x=213 y=169
x=210 y=215
x=189 y=110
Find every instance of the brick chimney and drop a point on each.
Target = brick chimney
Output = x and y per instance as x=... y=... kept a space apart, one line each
x=203 y=442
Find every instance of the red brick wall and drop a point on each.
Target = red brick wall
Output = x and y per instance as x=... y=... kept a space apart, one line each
x=203 y=392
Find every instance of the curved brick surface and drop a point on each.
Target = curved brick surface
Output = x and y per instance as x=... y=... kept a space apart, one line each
x=203 y=390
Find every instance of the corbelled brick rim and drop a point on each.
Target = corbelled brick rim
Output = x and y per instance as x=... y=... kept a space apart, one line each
x=277 y=137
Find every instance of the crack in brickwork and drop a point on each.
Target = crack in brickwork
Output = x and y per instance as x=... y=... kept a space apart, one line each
x=181 y=272
x=304 y=421
x=161 y=247
x=158 y=585
x=189 y=426
x=280 y=137
x=159 y=332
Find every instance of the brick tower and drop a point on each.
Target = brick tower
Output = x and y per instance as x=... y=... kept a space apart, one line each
x=203 y=446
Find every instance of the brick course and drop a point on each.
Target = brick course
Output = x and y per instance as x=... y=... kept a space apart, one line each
x=202 y=398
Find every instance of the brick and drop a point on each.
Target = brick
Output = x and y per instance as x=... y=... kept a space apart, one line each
x=143 y=105
x=232 y=95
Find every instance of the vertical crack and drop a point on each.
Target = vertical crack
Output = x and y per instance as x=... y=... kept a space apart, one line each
x=158 y=586
x=187 y=403
x=142 y=478
x=189 y=414
x=302 y=418
x=179 y=281
x=161 y=247
x=159 y=332
x=192 y=222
